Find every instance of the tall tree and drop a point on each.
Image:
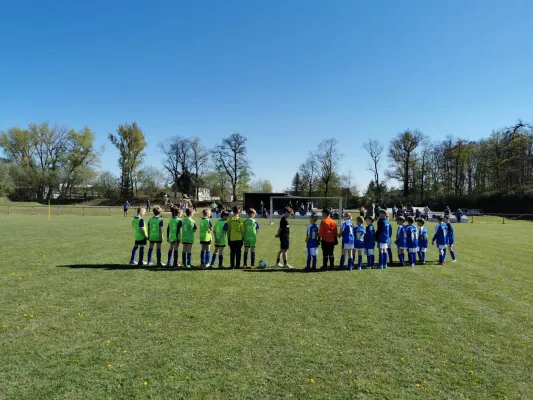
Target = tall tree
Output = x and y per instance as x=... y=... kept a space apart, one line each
x=200 y=159
x=402 y=157
x=230 y=158
x=261 y=186
x=296 y=186
x=130 y=143
x=178 y=161
x=328 y=157
x=309 y=173
x=374 y=149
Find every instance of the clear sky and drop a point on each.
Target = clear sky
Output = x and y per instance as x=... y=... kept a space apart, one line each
x=284 y=73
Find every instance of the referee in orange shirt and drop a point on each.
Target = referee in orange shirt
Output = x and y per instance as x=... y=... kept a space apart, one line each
x=328 y=235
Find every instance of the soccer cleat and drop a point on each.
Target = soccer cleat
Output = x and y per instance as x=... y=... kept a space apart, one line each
x=359 y=268
x=454 y=260
x=160 y=264
x=412 y=265
x=279 y=265
x=133 y=263
x=287 y=266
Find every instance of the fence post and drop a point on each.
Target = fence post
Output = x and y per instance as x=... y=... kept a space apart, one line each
x=109 y=211
x=503 y=219
x=57 y=210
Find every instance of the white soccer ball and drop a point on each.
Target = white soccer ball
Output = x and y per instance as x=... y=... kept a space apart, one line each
x=263 y=264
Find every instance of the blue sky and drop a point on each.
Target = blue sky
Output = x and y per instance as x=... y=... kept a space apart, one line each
x=286 y=74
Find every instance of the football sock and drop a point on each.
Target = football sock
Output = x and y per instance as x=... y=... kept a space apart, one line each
x=158 y=255
x=343 y=258
x=278 y=260
x=389 y=252
x=133 y=252
x=385 y=260
x=150 y=251
x=350 y=263
x=253 y=258
x=314 y=262
x=189 y=258
x=184 y=258
x=169 y=258
x=141 y=255
x=372 y=260
x=214 y=259
x=324 y=261
x=245 y=258
x=308 y=265
x=220 y=259
x=175 y=257
x=332 y=261
x=380 y=259
x=452 y=253
x=360 y=262
x=401 y=257
x=207 y=257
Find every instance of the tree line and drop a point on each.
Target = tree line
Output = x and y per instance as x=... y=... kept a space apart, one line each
x=44 y=161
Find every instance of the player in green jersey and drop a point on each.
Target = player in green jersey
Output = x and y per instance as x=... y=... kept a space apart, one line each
x=155 y=235
x=172 y=236
x=187 y=227
x=206 y=231
x=250 y=237
x=140 y=236
x=220 y=232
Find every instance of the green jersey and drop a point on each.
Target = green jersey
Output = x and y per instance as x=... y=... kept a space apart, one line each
x=139 y=230
x=205 y=230
x=187 y=230
x=155 y=225
x=250 y=232
x=173 y=229
x=220 y=230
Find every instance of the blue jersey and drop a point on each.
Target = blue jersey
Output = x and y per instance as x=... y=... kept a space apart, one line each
x=359 y=234
x=401 y=237
x=412 y=236
x=441 y=233
x=312 y=233
x=423 y=237
x=450 y=237
x=390 y=230
x=370 y=237
x=347 y=229
x=382 y=234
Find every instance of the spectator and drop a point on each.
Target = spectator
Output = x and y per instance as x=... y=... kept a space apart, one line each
x=148 y=204
x=417 y=213
x=394 y=212
x=126 y=207
x=426 y=213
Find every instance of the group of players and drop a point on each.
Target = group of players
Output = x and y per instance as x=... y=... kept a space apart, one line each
x=356 y=239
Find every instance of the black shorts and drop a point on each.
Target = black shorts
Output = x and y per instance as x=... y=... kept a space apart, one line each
x=156 y=241
x=220 y=246
x=205 y=242
x=140 y=242
x=126 y=210
x=284 y=243
x=327 y=248
x=186 y=243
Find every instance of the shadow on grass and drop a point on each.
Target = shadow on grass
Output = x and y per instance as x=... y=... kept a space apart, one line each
x=126 y=267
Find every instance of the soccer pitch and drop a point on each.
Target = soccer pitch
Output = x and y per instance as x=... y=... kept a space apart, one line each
x=77 y=322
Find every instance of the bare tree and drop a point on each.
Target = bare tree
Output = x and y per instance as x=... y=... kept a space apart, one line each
x=200 y=158
x=328 y=157
x=178 y=161
x=309 y=172
x=402 y=157
x=230 y=158
x=374 y=149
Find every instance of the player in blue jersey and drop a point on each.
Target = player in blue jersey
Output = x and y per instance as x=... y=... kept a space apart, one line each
x=389 y=242
x=359 y=241
x=370 y=241
x=346 y=232
x=401 y=240
x=382 y=237
x=450 y=238
x=440 y=237
x=412 y=241
x=422 y=240
x=312 y=242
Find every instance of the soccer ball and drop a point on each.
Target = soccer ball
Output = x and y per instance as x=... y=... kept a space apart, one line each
x=262 y=264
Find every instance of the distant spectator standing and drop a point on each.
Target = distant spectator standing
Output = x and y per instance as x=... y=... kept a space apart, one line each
x=394 y=212
x=148 y=204
x=417 y=213
x=426 y=213
x=126 y=207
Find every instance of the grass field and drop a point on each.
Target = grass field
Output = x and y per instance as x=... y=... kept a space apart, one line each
x=76 y=322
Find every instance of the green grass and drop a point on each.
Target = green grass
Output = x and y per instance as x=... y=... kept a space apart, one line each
x=76 y=323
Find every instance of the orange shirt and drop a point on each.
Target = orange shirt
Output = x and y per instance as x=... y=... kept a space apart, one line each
x=328 y=230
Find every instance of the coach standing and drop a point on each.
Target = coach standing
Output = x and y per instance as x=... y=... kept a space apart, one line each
x=328 y=236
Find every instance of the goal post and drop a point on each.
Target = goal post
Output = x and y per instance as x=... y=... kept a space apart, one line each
x=301 y=198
